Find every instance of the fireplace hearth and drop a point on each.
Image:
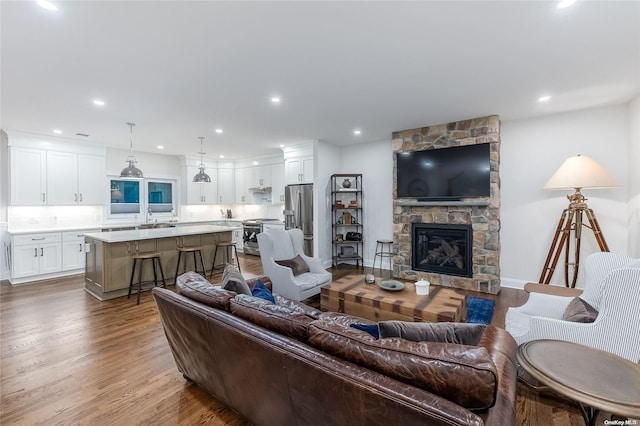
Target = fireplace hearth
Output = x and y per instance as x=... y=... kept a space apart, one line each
x=442 y=249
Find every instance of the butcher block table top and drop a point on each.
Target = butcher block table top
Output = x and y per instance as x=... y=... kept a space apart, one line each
x=351 y=295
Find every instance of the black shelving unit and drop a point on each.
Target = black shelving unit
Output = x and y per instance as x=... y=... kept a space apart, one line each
x=346 y=218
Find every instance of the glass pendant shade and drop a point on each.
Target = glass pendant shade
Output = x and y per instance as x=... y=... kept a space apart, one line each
x=201 y=176
x=131 y=171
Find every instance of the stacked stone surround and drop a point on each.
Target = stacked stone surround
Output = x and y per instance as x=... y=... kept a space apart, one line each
x=482 y=214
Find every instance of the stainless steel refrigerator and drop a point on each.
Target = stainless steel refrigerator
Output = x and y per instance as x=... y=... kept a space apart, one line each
x=298 y=212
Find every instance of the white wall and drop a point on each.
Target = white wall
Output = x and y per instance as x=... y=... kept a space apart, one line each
x=531 y=151
x=152 y=165
x=634 y=177
x=375 y=161
x=327 y=162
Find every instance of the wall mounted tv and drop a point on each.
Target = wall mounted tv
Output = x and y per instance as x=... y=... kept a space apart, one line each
x=444 y=174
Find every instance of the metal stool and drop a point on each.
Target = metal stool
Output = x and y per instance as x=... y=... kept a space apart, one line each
x=226 y=245
x=195 y=250
x=154 y=256
x=380 y=251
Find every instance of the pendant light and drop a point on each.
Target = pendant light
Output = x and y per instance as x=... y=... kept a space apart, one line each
x=131 y=171
x=201 y=176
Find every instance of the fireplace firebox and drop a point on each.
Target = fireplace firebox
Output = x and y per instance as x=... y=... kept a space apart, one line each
x=442 y=249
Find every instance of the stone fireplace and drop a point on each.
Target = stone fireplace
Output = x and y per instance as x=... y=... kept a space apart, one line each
x=442 y=249
x=479 y=216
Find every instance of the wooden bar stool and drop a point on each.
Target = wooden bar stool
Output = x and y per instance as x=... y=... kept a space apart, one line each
x=154 y=256
x=195 y=250
x=227 y=246
x=381 y=245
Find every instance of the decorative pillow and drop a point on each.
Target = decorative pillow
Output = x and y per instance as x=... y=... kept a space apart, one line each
x=195 y=287
x=579 y=311
x=261 y=291
x=443 y=332
x=297 y=264
x=277 y=318
x=233 y=280
x=465 y=375
x=372 y=329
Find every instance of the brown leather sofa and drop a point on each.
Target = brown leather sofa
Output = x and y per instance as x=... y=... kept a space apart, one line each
x=289 y=364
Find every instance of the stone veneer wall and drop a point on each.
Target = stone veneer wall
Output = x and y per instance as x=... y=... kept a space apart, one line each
x=483 y=214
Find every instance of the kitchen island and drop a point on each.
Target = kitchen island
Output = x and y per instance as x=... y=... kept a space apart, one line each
x=109 y=262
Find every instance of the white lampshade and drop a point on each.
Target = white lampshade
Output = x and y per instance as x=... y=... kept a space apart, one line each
x=581 y=172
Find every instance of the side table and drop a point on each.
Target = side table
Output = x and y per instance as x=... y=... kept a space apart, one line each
x=596 y=379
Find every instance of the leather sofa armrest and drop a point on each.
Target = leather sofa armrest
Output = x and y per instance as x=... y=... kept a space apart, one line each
x=552 y=289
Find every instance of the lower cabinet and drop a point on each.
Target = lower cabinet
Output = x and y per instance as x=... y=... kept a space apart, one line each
x=73 y=251
x=36 y=254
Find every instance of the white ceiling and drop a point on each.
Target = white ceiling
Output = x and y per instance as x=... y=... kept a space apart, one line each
x=179 y=69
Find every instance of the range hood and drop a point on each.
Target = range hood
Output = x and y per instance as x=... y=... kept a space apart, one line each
x=260 y=189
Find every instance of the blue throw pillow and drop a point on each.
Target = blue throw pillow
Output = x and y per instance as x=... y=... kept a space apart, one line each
x=261 y=291
x=372 y=329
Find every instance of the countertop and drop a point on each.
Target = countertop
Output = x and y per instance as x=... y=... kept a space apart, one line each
x=148 y=234
x=61 y=228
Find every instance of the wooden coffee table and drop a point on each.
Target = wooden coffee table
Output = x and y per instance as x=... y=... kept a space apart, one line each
x=596 y=379
x=351 y=295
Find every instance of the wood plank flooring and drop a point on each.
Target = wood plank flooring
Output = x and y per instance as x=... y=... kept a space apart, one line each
x=67 y=358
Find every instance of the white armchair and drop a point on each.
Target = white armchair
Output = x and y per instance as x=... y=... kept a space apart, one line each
x=277 y=244
x=612 y=287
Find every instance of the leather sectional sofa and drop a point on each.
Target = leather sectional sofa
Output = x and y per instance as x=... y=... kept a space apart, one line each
x=289 y=364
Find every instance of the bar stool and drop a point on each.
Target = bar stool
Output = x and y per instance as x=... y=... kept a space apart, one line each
x=226 y=245
x=195 y=250
x=381 y=245
x=154 y=256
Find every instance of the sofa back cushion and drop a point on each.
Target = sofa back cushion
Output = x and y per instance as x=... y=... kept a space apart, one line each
x=443 y=332
x=462 y=374
x=279 y=318
x=196 y=287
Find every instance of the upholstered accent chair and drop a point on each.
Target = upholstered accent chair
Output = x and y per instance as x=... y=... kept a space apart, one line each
x=277 y=245
x=612 y=288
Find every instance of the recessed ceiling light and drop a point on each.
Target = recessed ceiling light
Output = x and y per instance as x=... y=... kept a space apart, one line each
x=255 y=163
x=218 y=131
x=356 y=132
x=160 y=147
x=544 y=98
x=57 y=131
x=98 y=102
x=275 y=100
x=221 y=156
x=565 y=3
x=281 y=145
x=47 y=5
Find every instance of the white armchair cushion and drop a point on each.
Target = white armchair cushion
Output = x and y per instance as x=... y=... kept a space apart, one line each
x=309 y=280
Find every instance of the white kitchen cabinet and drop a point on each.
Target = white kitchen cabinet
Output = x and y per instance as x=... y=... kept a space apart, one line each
x=238 y=238
x=73 y=253
x=202 y=193
x=28 y=176
x=36 y=254
x=225 y=186
x=299 y=170
x=243 y=178
x=261 y=177
x=277 y=183
x=74 y=178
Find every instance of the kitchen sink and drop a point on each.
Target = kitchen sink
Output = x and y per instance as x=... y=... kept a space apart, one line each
x=156 y=225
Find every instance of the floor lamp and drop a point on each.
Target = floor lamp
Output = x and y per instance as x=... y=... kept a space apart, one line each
x=577 y=173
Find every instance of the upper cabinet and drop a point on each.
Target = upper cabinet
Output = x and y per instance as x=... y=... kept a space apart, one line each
x=28 y=176
x=298 y=170
x=74 y=178
x=298 y=163
x=261 y=177
x=70 y=175
x=277 y=183
x=225 y=186
x=243 y=178
x=201 y=193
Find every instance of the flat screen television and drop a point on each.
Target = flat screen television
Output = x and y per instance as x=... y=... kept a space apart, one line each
x=444 y=174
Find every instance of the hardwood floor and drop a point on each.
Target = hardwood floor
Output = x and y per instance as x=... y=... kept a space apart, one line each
x=67 y=358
